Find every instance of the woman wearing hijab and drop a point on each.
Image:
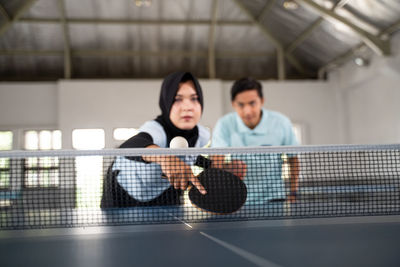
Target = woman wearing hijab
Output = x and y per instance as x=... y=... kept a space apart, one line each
x=155 y=179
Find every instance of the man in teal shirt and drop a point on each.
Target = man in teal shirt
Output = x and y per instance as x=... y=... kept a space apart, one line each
x=253 y=125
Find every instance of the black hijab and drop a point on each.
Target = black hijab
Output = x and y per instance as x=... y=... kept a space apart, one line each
x=169 y=88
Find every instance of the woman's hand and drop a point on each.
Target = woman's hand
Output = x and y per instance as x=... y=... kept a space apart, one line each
x=178 y=173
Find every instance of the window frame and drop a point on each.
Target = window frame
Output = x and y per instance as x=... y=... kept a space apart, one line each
x=7 y=169
x=38 y=169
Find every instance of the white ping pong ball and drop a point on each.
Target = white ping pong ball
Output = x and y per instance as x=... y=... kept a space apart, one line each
x=178 y=142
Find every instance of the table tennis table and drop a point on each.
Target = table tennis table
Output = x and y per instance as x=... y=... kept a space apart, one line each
x=212 y=241
x=346 y=213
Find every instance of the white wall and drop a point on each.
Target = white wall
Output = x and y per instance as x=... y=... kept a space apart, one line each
x=369 y=99
x=26 y=106
x=113 y=104
x=68 y=105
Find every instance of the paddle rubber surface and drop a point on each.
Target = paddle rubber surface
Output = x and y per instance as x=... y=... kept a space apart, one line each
x=226 y=193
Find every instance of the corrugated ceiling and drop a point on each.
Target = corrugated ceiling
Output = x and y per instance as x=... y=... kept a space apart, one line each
x=225 y=39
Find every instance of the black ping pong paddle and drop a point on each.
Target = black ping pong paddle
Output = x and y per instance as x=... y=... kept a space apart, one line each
x=226 y=192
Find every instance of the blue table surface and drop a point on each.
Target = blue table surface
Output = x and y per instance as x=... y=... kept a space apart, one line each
x=340 y=241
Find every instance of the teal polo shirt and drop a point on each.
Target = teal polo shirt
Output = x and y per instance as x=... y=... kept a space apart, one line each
x=264 y=171
x=274 y=129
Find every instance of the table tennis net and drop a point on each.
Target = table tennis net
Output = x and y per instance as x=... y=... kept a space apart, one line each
x=62 y=188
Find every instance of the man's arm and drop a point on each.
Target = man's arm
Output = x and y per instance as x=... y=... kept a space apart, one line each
x=236 y=167
x=294 y=171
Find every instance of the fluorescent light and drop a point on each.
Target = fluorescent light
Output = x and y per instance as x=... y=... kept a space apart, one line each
x=361 y=62
x=143 y=3
x=290 y=5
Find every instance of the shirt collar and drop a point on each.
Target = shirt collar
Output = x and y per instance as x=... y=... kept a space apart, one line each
x=259 y=129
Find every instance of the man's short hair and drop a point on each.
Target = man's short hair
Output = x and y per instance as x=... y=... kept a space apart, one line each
x=246 y=84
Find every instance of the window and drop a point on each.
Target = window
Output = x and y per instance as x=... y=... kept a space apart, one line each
x=42 y=172
x=4 y=173
x=6 y=142
x=89 y=169
x=122 y=134
x=88 y=139
x=45 y=139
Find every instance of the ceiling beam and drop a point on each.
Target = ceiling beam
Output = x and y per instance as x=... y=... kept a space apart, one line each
x=379 y=46
x=279 y=47
x=265 y=10
x=307 y=32
x=4 y=12
x=356 y=20
x=31 y=78
x=12 y=19
x=391 y=29
x=271 y=37
x=135 y=53
x=67 y=46
x=31 y=52
x=211 y=41
x=132 y=53
x=137 y=22
x=350 y=53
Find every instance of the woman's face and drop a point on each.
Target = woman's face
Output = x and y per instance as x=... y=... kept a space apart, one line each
x=186 y=110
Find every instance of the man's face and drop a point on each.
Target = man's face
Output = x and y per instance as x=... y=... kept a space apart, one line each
x=248 y=106
x=186 y=111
